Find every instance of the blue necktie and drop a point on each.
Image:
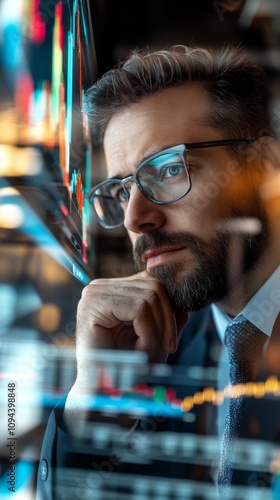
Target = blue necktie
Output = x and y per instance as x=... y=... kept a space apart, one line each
x=245 y=344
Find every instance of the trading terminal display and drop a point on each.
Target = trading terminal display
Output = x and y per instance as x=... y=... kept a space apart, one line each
x=47 y=61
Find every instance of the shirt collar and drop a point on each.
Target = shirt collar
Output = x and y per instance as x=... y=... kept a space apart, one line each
x=262 y=309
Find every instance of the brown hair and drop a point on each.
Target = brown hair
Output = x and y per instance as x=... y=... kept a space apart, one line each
x=235 y=83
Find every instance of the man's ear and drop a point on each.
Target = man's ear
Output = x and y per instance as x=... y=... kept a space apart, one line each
x=269 y=187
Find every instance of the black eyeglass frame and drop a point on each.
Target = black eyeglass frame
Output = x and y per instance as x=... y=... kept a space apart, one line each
x=133 y=177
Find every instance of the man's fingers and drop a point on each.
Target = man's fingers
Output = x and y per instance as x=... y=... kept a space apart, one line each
x=140 y=300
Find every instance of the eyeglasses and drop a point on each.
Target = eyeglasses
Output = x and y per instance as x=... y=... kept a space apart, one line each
x=162 y=178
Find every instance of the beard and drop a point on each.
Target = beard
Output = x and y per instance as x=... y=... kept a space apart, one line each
x=213 y=275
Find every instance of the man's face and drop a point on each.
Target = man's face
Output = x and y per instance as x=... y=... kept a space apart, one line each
x=186 y=244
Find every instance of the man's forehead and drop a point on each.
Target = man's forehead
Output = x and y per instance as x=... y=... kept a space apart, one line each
x=183 y=102
x=169 y=117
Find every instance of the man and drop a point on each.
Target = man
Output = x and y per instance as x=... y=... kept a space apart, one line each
x=191 y=161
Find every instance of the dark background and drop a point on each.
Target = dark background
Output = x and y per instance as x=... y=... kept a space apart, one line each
x=123 y=25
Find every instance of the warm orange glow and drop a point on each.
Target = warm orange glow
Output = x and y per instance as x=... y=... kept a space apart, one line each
x=208 y=394
x=9 y=191
x=259 y=390
x=48 y=318
x=251 y=389
x=218 y=398
x=187 y=404
x=198 y=398
x=11 y=216
x=17 y=161
x=271 y=385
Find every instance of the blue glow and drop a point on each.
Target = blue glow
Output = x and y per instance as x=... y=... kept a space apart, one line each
x=39 y=104
x=84 y=23
x=75 y=5
x=43 y=237
x=24 y=472
x=73 y=182
x=129 y=404
x=11 y=51
x=88 y=170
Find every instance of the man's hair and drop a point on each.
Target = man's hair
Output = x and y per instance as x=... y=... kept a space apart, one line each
x=234 y=81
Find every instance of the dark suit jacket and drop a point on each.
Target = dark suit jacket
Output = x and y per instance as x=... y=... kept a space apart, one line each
x=199 y=347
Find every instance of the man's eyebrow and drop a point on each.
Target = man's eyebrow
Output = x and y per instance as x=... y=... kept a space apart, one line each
x=196 y=152
x=133 y=168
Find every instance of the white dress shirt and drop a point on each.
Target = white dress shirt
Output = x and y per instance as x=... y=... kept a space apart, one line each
x=262 y=309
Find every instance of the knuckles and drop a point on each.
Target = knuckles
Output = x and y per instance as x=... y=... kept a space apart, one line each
x=105 y=299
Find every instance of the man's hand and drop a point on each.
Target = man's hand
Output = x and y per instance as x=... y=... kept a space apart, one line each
x=123 y=313
x=128 y=313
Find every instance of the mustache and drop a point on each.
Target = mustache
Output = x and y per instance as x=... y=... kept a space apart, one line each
x=156 y=239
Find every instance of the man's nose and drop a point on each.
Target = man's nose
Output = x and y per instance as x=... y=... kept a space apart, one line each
x=141 y=214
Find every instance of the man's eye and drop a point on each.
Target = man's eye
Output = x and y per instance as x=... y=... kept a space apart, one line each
x=170 y=171
x=121 y=195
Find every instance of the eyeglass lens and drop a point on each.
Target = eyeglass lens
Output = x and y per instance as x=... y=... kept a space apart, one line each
x=162 y=179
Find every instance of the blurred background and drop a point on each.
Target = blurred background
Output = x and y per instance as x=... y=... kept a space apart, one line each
x=50 y=245
x=121 y=26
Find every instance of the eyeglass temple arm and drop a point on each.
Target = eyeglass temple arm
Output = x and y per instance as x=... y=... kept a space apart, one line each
x=212 y=144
